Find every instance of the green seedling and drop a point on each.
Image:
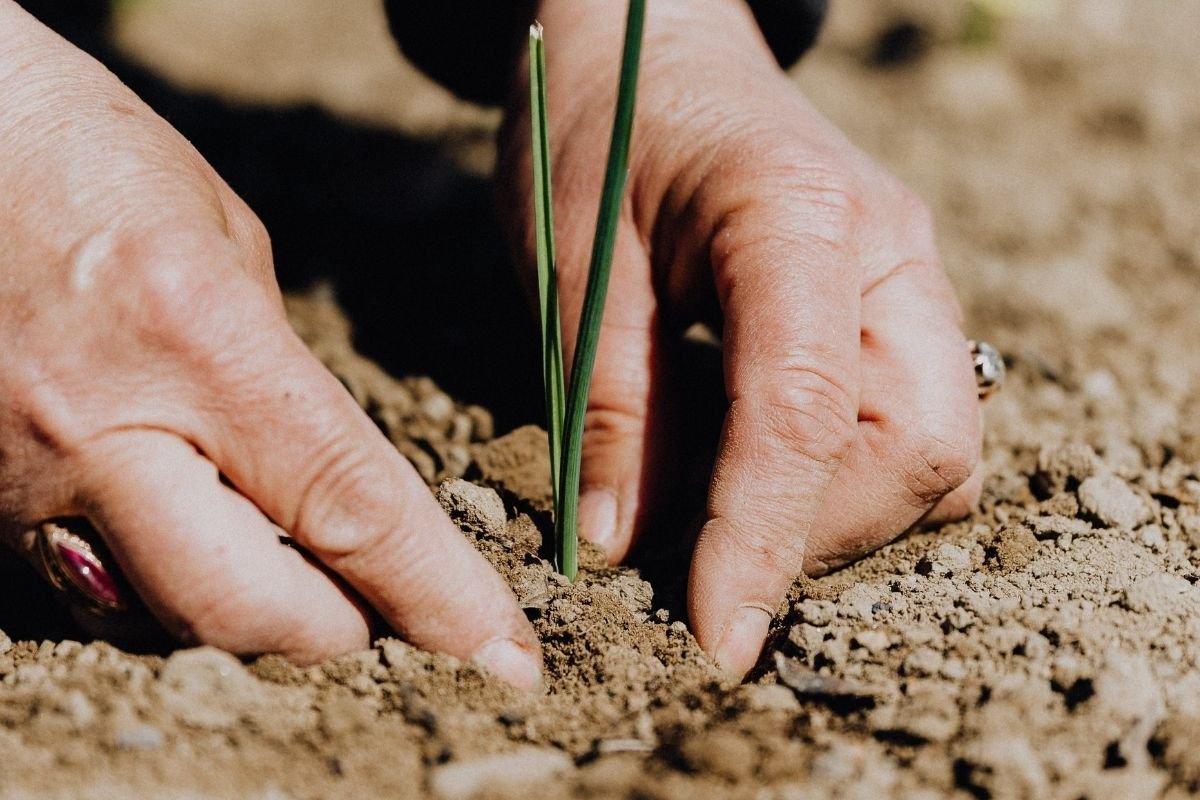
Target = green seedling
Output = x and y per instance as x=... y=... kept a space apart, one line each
x=565 y=409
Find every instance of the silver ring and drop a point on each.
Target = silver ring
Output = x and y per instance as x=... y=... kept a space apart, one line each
x=989 y=368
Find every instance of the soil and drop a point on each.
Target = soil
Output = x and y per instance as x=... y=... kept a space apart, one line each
x=1046 y=647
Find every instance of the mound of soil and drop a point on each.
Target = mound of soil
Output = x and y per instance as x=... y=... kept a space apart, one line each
x=1046 y=647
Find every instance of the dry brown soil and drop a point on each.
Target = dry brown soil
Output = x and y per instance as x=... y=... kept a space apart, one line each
x=1046 y=647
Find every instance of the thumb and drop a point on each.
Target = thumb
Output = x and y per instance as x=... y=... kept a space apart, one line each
x=620 y=452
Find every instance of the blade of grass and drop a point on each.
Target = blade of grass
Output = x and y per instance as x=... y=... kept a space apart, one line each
x=552 y=355
x=597 y=287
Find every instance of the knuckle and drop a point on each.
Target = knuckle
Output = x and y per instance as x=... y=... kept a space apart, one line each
x=840 y=193
x=341 y=513
x=825 y=197
x=812 y=414
x=248 y=231
x=44 y=413
x=832 y=198
x=906 y=216
x=609 y=425
x=186 y=300
x=816 y=180
x=174 y=305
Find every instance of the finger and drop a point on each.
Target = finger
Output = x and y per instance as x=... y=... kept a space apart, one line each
x=919 y=430
x=624 y=457
x=964 y=500
x=204 y=559
x=292 y=439
x=787 y=284
x=958 y=504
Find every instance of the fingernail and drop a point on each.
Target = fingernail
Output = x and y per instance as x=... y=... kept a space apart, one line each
x=508 y=660
x=742 y=641
x=598 y=517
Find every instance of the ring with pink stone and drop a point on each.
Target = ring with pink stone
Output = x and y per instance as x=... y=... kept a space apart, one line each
x=72 y=560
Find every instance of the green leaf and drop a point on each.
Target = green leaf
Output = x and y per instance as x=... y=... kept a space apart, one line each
x=543 y=207
x=603 y=246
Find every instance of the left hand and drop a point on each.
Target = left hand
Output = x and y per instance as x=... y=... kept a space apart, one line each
x=852 y=405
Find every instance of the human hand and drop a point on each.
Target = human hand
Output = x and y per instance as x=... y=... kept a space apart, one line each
x=853 y=411
x=153 y=386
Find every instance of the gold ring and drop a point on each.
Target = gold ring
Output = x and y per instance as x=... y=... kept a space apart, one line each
x=72 y=561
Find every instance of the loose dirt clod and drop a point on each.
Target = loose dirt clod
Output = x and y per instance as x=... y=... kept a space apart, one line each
x=1112 y=502
x=522 y=770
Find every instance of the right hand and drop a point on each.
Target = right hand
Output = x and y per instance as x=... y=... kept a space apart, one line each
x=147 y=357
x=853 y=411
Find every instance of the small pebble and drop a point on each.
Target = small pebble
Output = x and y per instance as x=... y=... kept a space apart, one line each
x=634 y=593
x=807 y=637
x=477 y=509
x=460 y=429
x=30 y=674
x=835 y=651
x=396 y=653
x=67 y=648
x=208 y=688
x=139 y=737
x=437 y=408
x=1152 y=536
x=1160 y=592
x=858 y=602
x=771 y=697
x=528 y=766
x=1112 y=502
x=76 y=707
x=816 y=612
x=953 y=669
x=923 y=661
x=1061 y=466
x=722 y=753
x=873 y=641
x=423 y=387
x=456 y=458
x=482 y=427
x=944 y=561
x=611 y=746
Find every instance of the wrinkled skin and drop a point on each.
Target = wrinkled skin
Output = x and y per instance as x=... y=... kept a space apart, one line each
x=147 y=354
x=152 y=384
x=852 y=405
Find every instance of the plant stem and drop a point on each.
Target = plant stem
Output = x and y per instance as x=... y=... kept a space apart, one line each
x=597 y=287
x=547 y=268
